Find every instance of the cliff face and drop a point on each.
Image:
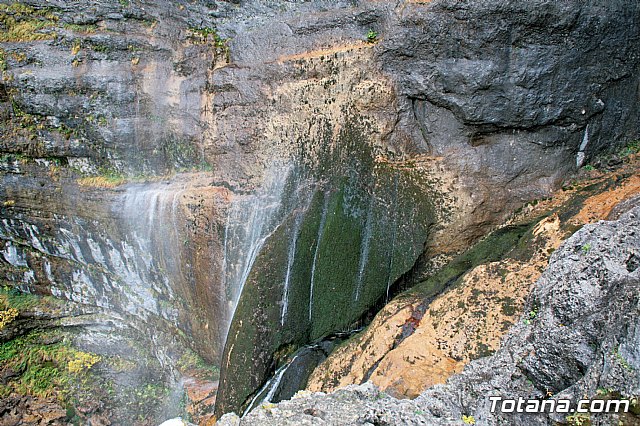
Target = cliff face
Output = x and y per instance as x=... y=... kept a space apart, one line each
x=264 y=171
x=581 y=343
x=417 y=340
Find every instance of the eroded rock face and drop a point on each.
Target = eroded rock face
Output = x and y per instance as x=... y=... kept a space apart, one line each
x=581 y=340
x=500 y=89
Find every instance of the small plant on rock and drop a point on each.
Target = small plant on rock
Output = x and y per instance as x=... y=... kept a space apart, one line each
x=469 y=420
x=372 y=36
x=579 y=419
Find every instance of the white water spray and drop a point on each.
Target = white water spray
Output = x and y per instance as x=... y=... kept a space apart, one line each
x=364 y=250
x=323 y=219
x=250 y=222
x=290 y=259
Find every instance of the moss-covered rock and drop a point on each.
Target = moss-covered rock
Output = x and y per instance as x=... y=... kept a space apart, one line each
x=355 y=225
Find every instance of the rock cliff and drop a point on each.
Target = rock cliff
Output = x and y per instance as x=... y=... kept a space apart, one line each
x=582 y=342
x=417 y=340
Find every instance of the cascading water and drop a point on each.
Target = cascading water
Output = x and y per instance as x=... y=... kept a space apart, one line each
x=364 y=250
x=250 y=221
x=322 y=271
x=268 y=391
x=290 y=260
x=151 y=211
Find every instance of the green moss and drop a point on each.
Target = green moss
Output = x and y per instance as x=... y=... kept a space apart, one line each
x=204 y=35
x=623 y=362
x=21 y=301
x=81 y=28
x=45 y=369
x=372 y=36
x=491 y=249
x=100 y=47
x=25 y=23
x=632 y=147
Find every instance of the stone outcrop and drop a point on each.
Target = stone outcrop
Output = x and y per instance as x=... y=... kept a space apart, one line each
x=416 y=341
x=581 y=342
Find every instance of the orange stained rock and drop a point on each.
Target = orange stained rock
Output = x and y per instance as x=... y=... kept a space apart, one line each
x=599 y=206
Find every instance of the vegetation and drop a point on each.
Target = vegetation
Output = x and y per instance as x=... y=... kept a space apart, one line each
x=7 y=315
x=107 y=178
x=40 y=363
x=469 y=420
x=372 y=36
x=632 y=147
x=81 y=28
x=45 y=364
x=25 y=23
x=579 y=419
x=204 y=35
x=493 y=248
x=192 y=363
x=533 y=313
x=623 y=362
x=14 y=298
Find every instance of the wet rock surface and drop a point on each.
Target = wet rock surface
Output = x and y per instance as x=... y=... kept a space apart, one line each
x=19 y=410
x=580 y=342
x=418 y=340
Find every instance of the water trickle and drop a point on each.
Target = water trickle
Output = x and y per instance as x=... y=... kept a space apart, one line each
x=581 y=154
x=290 y=260
x=270 y=388
x=323 y=219
x=364 y=250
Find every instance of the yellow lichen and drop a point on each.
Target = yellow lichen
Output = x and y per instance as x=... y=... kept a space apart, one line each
x=82 y=361
x=101 y=181
x=75 y=48
x=469 y=420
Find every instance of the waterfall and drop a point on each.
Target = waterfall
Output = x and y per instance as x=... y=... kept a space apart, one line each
x=145 y=208
x=151 y=211
x=364 y=250
x=290 y=258
x=323 y=219
x=250 y=222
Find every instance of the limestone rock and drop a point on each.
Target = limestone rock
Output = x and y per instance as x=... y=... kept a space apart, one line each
x=582 y=338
